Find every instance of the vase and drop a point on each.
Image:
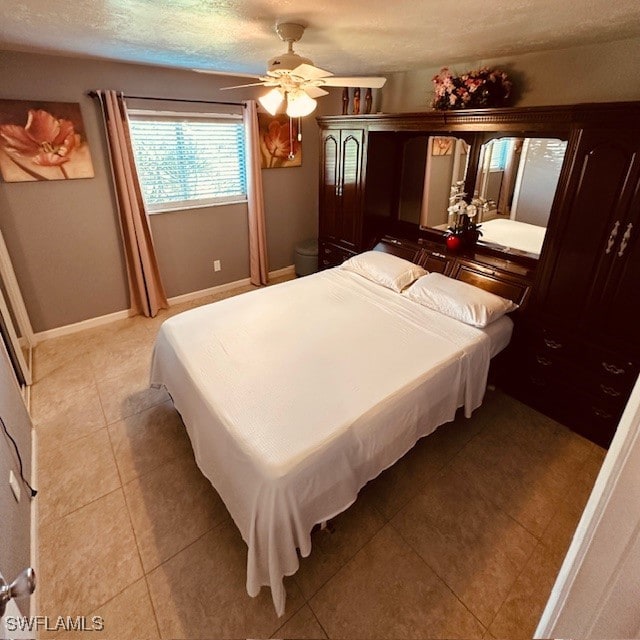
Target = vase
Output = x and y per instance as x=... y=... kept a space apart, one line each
x=471 y=236
x=453 y=242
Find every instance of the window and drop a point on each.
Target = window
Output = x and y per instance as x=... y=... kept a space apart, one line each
x=500 y=154
x=188 y=160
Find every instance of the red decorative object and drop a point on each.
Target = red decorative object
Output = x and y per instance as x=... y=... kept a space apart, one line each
x=453 y=242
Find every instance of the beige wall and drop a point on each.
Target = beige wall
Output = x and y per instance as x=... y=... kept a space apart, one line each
x=597 y=73
x=63 y=237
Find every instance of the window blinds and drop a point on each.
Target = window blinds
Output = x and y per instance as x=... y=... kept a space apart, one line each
x=188 y=159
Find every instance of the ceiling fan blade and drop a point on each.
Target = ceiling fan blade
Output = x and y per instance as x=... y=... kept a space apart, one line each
x=242 y=86
x=365 y=81
x=309 y=72
x=314 y=92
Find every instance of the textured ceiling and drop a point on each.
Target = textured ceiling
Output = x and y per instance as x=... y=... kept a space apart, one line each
x=343 y=36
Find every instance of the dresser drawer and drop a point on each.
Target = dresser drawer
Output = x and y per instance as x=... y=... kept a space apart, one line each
x=585 y=413
x=332 y=255
x=607 y=367
x=548 y=365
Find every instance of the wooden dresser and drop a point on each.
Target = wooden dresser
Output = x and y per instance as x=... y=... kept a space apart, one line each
x=576 y=350
x=579 y=345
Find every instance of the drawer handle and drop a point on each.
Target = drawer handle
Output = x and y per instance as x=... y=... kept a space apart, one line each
x=625 y=240
x=610 y=391
x=545 y=362
x=611 y=368
x=327 y=250
x=538 y=382
x=612 y=237
x=552 y=344
x=601 y=413
x=439 y=255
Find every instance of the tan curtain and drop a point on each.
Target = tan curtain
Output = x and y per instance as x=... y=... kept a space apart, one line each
x=258 y=262
x=146 y=292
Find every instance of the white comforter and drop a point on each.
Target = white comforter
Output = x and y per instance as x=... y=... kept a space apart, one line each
x=295 y=396
x=514 y=234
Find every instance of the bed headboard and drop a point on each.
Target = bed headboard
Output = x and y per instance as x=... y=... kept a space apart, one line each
x=496 y=275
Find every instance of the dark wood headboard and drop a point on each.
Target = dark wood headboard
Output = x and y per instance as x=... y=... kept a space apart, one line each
x=505 y=279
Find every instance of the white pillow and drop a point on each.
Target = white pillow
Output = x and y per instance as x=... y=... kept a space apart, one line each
x=385 y=269
x=459 y=300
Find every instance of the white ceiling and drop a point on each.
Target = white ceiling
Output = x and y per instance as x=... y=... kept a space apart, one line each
x=343 y=36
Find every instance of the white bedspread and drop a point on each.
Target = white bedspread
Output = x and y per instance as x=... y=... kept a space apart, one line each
x=295 y=396
x=514 y=234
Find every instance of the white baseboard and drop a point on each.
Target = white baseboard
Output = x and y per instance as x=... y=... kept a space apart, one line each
x=82 y=325
x=194 y=295
x=121 y=315
x=285 y=271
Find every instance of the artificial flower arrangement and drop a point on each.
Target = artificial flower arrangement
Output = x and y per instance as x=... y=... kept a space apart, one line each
x=462 y=229
x=477 y=89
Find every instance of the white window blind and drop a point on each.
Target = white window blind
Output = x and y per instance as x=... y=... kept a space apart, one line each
x=188 y=160
x=500 y=154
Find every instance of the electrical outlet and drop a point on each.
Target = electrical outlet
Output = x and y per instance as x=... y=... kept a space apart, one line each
x=15 y=485
x=216 y=265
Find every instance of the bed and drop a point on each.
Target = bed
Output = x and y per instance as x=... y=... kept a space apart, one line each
x=514 y=234
x=295 y=396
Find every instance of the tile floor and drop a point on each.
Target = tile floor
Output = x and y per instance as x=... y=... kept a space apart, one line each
x=462 y=538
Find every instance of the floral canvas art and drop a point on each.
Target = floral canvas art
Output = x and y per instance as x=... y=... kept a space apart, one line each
x=279 y=144
x=43 y=141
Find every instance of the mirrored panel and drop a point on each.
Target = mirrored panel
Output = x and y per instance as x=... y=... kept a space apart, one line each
x=519 y=177
x=15 y=328
x=446 y=163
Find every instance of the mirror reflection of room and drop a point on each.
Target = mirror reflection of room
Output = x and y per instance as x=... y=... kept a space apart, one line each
x=519 y=177
x=447 y=162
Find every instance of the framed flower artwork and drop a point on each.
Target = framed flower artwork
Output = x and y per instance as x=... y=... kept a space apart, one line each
x=43 y=141
x=279 y=144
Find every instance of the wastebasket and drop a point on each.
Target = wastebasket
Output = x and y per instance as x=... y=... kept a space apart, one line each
x=306 y=257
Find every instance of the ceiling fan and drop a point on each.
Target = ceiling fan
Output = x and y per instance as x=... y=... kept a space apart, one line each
x=297 y=81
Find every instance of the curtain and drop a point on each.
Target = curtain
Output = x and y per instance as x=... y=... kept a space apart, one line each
x=146 y=292
x=258 y=262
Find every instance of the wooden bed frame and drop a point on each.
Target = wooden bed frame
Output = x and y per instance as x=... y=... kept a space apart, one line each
x=506 y=280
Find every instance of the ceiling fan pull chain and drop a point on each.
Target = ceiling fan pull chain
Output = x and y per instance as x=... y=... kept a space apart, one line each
x=292 y=154
x=299 y=129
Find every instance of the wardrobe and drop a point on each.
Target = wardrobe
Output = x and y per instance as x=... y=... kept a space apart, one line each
x=575 y=352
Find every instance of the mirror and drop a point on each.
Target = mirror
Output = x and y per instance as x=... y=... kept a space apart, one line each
x=15 y=327
x=519 y=177
x=447 y=163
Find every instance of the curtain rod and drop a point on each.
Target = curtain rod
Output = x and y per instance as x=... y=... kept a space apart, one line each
x=94 y=94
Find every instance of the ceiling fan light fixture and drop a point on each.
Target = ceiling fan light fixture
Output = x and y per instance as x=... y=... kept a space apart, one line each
x=299 y=104
x=272 y=101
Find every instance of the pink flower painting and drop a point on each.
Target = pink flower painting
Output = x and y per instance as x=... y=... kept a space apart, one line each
x=279 y=144
x=42 y=141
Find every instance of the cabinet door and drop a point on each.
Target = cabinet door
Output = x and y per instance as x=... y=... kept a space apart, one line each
x=617 y=315
x=590 y=221
x=329 y=184
x=351 y=186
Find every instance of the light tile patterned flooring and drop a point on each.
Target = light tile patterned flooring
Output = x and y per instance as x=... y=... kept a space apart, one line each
x=461 y=538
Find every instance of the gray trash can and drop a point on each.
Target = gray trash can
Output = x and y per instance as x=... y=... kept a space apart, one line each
x=306 y=257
